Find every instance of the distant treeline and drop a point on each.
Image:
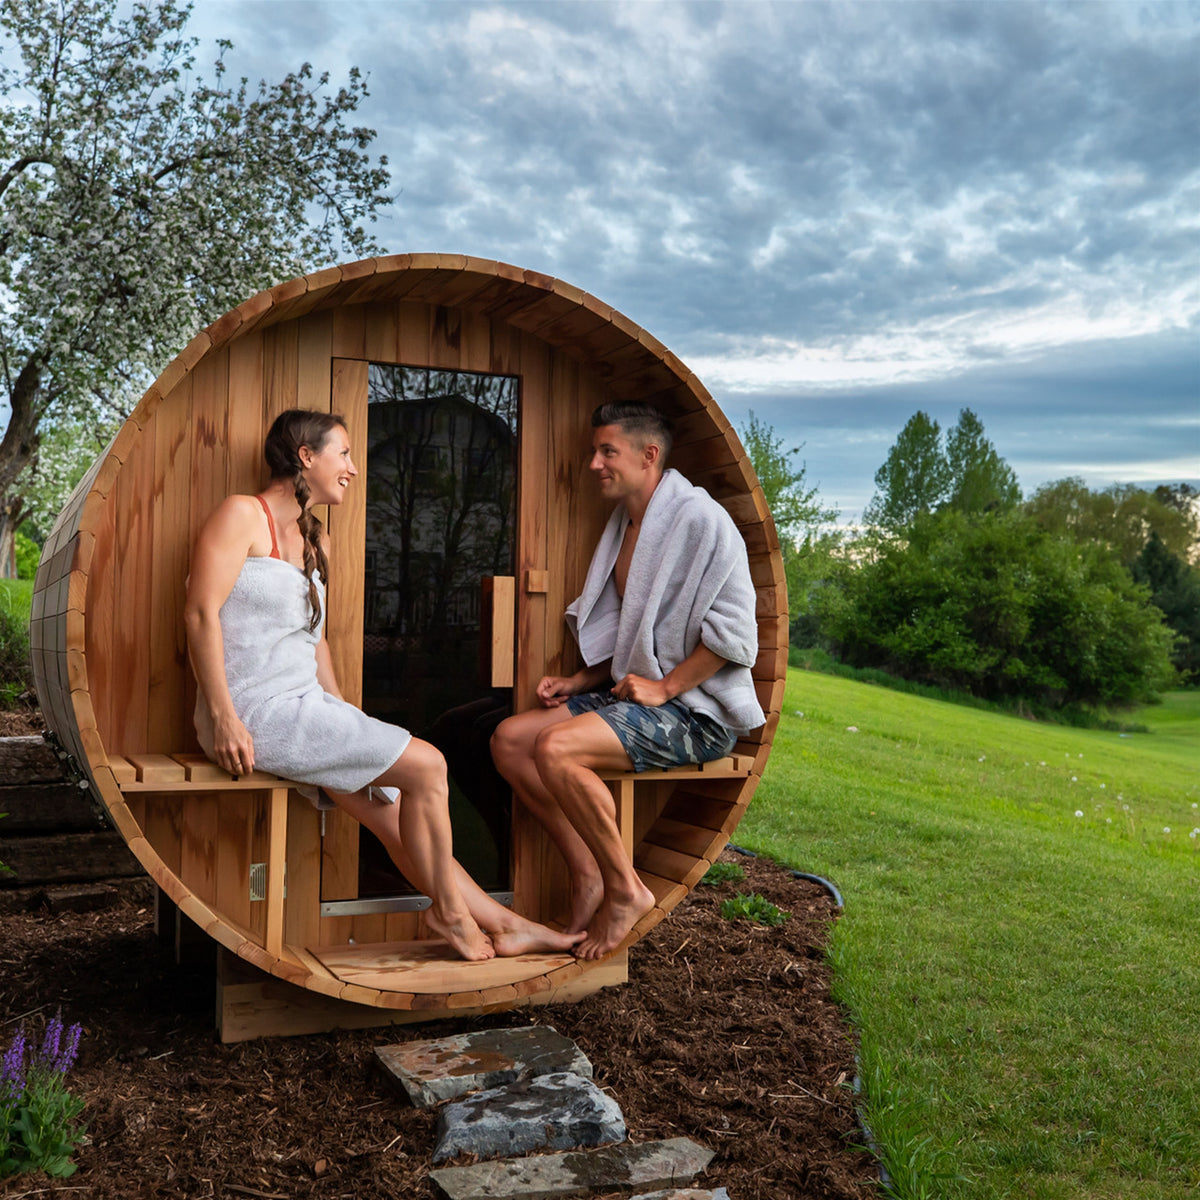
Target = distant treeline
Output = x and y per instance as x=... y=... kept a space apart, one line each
x=1066 y=597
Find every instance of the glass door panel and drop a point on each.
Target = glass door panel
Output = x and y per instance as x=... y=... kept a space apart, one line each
x=441 y=512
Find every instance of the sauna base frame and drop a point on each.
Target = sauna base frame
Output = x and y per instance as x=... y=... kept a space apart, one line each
x=252 y=1004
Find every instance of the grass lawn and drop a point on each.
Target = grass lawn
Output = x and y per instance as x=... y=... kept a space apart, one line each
x=16 y=598
x=1021 y=938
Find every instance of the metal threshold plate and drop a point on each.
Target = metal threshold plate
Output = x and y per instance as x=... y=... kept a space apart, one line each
x=392 y=904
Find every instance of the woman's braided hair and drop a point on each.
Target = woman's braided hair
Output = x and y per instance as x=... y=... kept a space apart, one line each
x=292 y=429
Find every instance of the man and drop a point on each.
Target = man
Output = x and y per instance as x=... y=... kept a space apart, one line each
x=666 y=629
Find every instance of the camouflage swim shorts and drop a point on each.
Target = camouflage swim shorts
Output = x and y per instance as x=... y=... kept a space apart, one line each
x=669 y=735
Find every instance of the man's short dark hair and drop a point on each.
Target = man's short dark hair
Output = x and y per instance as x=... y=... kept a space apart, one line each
x=641 y=423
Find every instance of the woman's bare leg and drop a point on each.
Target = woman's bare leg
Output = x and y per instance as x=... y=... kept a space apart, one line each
x=417 y=828
x=511 y=933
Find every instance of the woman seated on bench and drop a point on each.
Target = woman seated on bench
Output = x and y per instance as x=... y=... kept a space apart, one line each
x=268 y=697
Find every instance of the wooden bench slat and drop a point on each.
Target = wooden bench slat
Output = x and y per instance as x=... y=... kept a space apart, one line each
x=123 y=770
x=157 y=768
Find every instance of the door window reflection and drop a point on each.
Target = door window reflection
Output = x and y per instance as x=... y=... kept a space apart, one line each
x=441 y=512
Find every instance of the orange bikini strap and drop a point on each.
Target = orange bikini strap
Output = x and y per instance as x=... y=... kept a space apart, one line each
x=271 y=523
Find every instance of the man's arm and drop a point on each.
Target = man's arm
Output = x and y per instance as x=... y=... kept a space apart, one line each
x=700 y=665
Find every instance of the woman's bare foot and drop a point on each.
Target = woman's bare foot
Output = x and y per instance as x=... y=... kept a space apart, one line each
x=586 y=895
x=464 y=936
x=613 y=921
x=523 y=936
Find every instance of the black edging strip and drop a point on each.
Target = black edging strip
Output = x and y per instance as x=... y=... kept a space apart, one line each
x=872 y=1146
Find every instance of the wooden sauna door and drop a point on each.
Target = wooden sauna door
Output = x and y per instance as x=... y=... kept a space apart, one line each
x=558 y=517
x=437 y=459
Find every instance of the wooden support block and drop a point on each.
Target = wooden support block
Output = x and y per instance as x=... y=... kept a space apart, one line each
x=276 y=866
x=622 y=790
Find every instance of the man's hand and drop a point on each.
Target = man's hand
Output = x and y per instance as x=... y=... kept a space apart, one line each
x=651 y=692
x=554 y=690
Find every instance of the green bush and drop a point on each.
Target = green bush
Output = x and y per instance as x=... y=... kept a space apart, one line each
x=994 y=605
x=28 y=553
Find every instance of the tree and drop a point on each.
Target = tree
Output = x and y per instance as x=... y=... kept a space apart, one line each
x=993 y=604
x=796 y=508
x=913 y=480
x=1121 y=518
x=979 y=478
x=801 y=519
x=138 y=203
x=920 y=475
x=1175 y=590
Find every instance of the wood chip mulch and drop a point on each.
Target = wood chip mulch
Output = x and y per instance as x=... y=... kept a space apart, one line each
x=725 y=1034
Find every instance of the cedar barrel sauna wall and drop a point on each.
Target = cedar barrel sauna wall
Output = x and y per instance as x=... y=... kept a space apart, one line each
x=107 y=633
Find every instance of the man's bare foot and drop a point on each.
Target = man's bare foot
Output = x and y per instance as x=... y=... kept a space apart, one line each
x=523 y=936
x=612 y=923
x=586 y=895
x=464 y=936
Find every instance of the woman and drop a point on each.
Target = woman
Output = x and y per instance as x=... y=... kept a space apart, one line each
x=268 y=697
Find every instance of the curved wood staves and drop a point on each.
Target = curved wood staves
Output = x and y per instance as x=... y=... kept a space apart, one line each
x=107 y=640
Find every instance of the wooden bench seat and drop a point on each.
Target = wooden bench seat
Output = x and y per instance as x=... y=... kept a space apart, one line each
x=183 y=773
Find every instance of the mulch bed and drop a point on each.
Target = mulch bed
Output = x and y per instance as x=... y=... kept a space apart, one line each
x=725 y=1034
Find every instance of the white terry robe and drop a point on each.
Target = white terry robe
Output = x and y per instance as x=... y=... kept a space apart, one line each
x=689 y=582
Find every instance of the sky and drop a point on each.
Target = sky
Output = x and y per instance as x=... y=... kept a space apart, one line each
x=835 y=214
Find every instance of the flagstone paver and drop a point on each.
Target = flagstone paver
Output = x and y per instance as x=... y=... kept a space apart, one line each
x=685 y=1194
x=446 y=1068
x=554 y=1112
x=653 y=1165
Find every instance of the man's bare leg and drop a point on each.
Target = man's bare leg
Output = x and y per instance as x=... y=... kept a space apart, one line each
x=513 y=746
x=569 y=754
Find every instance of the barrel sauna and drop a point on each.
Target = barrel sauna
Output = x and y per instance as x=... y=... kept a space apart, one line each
x=445 y=608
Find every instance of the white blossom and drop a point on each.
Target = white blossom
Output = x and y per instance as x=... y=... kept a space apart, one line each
x=139 y=202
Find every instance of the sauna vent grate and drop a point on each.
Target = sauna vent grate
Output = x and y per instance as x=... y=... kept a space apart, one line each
x=258 y=881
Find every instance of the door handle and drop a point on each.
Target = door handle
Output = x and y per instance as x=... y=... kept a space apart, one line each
x=498 y=633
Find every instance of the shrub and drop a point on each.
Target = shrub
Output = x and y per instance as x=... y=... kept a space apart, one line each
x=28 y=553
x=994 y=605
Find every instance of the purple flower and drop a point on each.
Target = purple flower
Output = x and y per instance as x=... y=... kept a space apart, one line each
x=12 y=1070
x=69 y=1051
x=50 y=1042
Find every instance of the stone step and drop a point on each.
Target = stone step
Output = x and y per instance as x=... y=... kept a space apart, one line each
x=625 y=1168
x=445 y=1068
x=685 y=1194
x=553 y=1112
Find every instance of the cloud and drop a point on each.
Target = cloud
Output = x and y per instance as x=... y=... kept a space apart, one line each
x=850 y=208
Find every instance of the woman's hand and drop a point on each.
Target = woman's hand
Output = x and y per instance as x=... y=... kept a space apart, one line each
x=233 y=745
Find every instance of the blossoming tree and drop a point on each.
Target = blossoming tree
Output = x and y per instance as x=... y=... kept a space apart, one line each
x=138 y=202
